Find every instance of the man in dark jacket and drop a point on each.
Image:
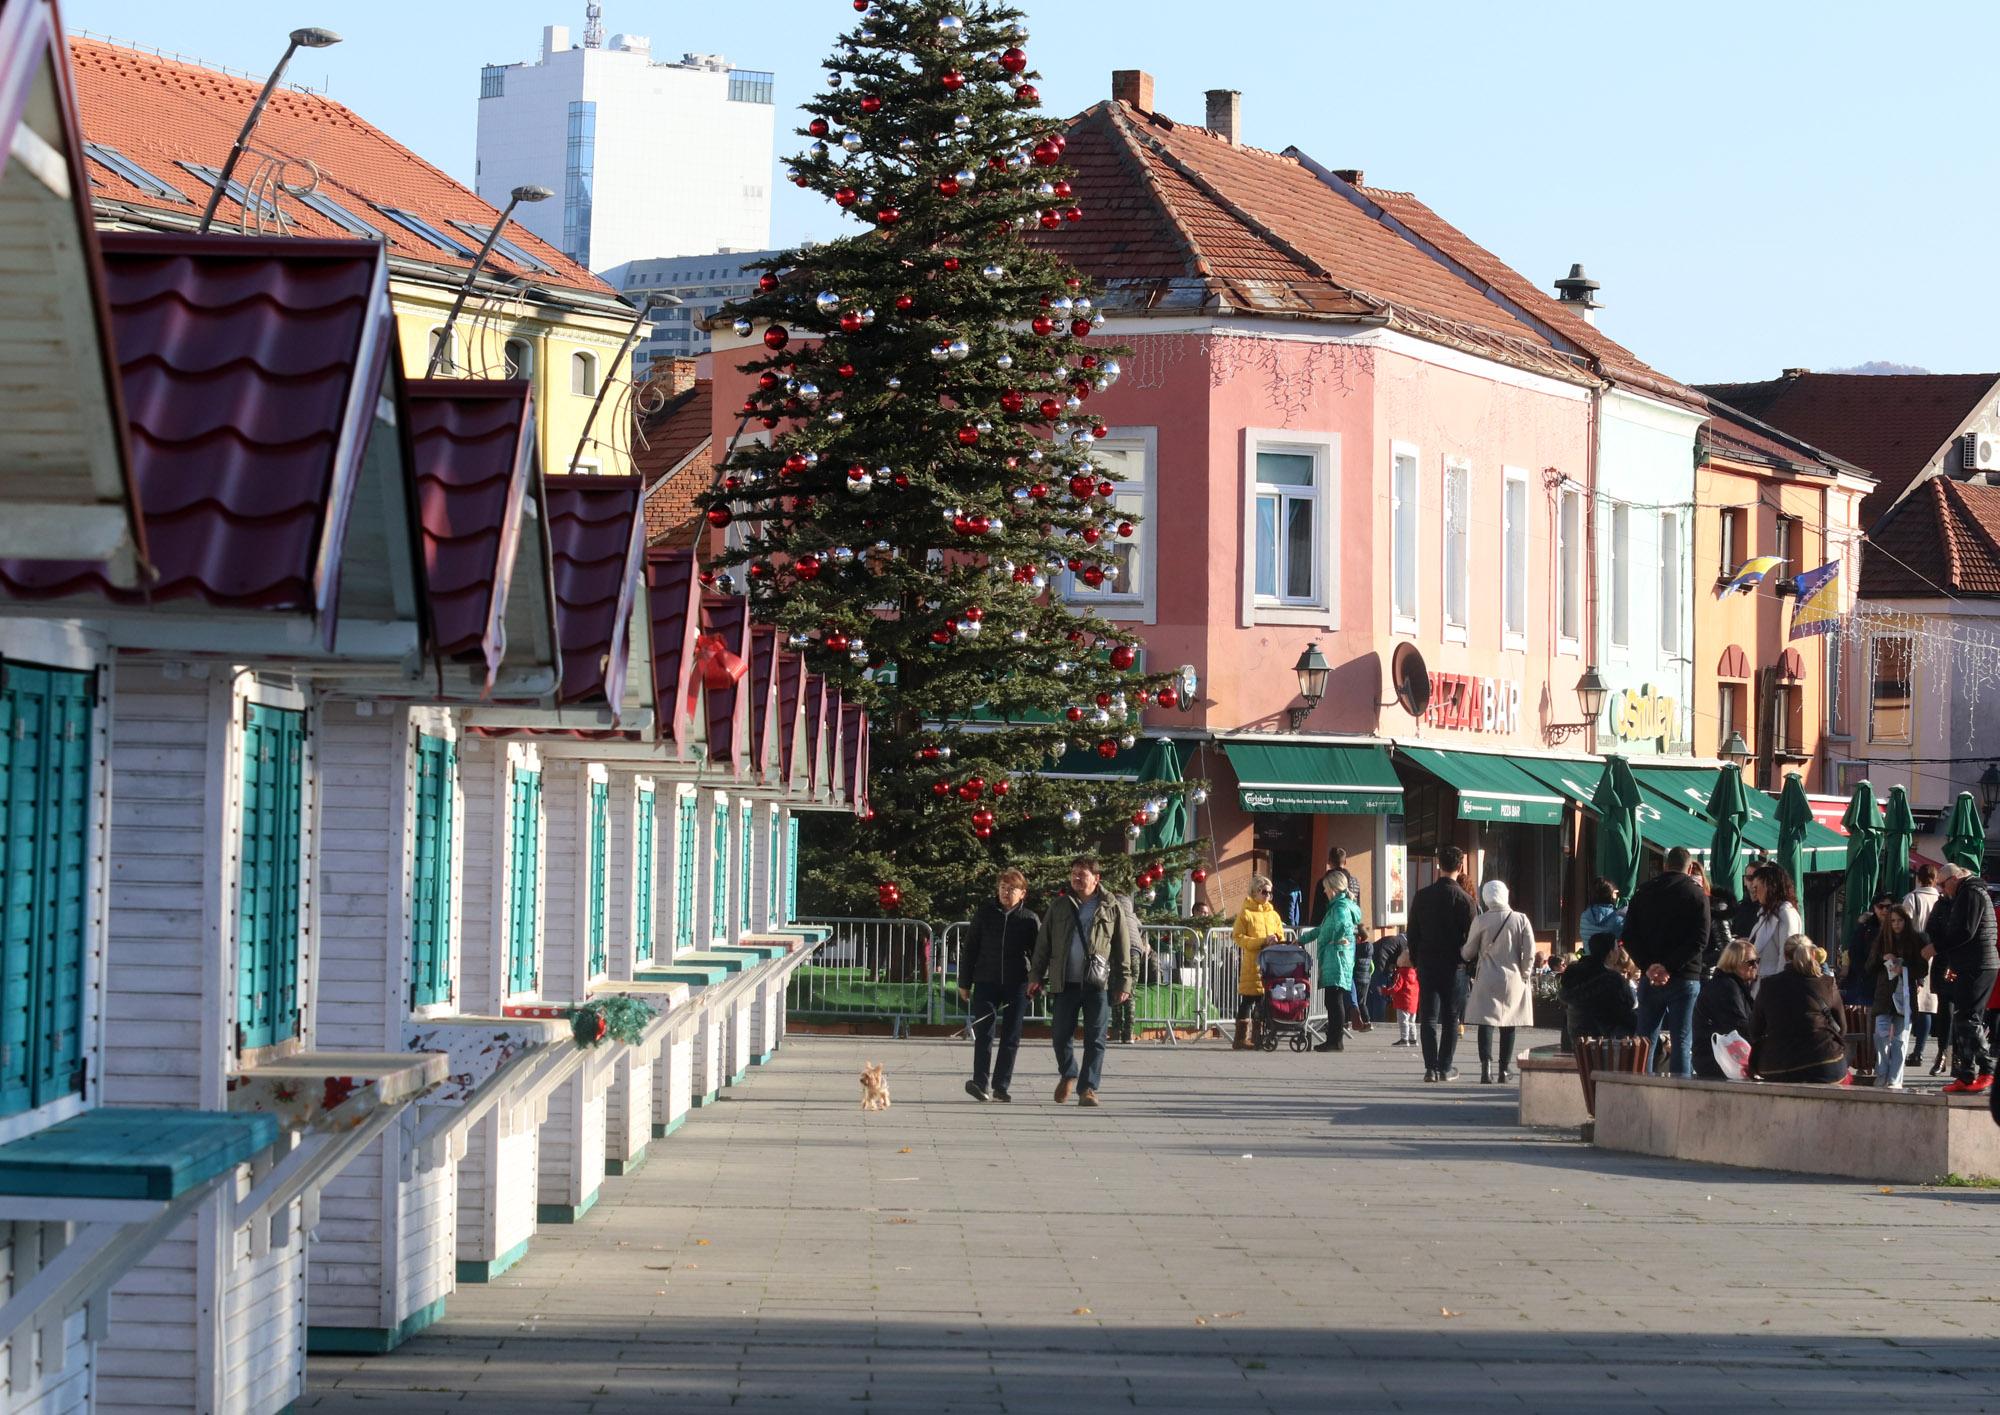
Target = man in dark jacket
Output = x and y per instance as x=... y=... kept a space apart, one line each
x=1440 y=918
x=1963 y=928
x=1337 y=879
x=1666 y=932
x=993 y=977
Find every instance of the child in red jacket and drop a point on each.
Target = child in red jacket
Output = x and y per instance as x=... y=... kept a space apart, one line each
x=1402 y=994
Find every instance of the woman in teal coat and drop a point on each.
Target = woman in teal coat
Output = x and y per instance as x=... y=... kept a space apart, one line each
x=1335 y=936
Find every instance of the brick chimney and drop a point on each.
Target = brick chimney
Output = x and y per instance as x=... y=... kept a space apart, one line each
x=671 y=374
x=1225 y=114
x=1133 y=87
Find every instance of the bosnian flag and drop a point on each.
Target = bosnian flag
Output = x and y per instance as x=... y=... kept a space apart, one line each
x=1751 y=573
x=1818 y=609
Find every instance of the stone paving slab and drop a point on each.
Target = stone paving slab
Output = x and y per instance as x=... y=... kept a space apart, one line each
x=1230 y=1231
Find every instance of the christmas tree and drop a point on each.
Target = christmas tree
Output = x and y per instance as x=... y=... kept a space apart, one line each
x=928 y=482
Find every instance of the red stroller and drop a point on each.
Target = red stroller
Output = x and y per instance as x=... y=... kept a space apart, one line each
x=1287 y=973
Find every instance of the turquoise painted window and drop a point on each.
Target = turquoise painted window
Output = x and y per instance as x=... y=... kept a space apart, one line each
x=524 y=820
x=684 y=830
x=600 y=825
x=642 y=880
x=791 y=869
x=774 y=890
x=44 y=844
x=267 y=892
x=718 y=894
x=431 y=877
x=747 y=815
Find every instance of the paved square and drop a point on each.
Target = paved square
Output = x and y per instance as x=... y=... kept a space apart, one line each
x=1229 y=1232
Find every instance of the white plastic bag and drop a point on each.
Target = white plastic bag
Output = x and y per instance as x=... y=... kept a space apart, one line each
x=1732 y=1054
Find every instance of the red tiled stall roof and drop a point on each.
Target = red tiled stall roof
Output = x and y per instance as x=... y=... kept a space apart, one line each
x=727 y=617
x=666 y=453
x=1890 y=424
x=763 y=679
x=854 y=730
x=472 y=440
x=1942 y=539
x=161 y=112
x=816 y=717
x=595 y=535
x=791 y=705
x=673 y=604
x=251 y=369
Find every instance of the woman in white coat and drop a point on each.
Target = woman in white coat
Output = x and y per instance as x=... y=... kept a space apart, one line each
x=1777 y=918
x=1501 y=950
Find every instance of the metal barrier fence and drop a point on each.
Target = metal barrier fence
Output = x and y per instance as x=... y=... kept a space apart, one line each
x=875 y=970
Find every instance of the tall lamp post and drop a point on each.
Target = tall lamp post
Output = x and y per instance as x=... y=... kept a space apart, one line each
x=441 y=354
x=312 y=37
x=659 y=299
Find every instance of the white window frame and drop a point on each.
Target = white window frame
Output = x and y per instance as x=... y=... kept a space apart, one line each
x=1515 y=637
x=1619 y=581
x=1839 y=721
x=1670 y=585
x=1323 y=611
x=1142 y=607
x=1569 y=571
x=1910 y=711
x=1728 y=523
x=1456 y=630
x=1403 y=618
x=589 y=360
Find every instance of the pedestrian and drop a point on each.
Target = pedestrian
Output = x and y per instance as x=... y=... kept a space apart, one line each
x=1501 y=952
x=1142 y=969
x=1604 y=914
x=993 y=978
x=1256 y=926
x=1893 y=959
x=1962 y=932
x=1596 y=999
x=1083 y=957
x=1798 y=1028
x=1666 y=932
x=1403 y=993
x=1933 y=997
x=1388 y=947
x=1440 y=919
x=1336 y=879
x=1335 y=938
x=1778 y=918
x=1857 y=984
x=1724 y=1006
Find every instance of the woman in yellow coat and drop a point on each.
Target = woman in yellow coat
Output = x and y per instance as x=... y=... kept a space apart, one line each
x=1256 y=926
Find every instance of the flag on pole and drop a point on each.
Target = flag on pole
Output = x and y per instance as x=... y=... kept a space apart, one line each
x=1751 y=573
x=1818 y=609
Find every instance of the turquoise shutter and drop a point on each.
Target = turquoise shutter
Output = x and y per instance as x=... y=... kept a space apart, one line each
x=524 y=813
x=684 y=829
x=59 y=972
x=718 y=895
x=791 y=869
x=747 y=815
x=267 y=910
x=642 y=881
x=774 y=894
x=430 y=885
x=600 y=823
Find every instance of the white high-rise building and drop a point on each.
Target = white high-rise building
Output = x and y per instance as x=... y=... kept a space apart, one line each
x=646 y=158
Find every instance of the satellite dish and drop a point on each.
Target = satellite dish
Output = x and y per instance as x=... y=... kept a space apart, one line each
x=1412 y=679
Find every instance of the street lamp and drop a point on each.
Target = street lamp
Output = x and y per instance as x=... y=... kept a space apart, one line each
x=1590 y=691
x=312 y=37
x=1187 y=682
x=1312 y=670
x=659 y=299
x=1989 y=788
x=441 y=353
x=1737 y=750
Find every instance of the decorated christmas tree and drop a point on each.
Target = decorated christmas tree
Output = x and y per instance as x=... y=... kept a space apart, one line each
x=928 y=490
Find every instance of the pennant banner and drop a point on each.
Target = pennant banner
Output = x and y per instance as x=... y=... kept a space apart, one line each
x=1818 y=609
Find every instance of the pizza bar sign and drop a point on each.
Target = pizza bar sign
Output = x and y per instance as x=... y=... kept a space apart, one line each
x=1474 y=704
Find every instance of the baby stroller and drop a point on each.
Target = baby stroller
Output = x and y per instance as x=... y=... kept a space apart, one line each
x=1286 y=971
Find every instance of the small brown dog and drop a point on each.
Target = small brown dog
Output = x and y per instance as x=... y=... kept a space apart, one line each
x=874 y=1087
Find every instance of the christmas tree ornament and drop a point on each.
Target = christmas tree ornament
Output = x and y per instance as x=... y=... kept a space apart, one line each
x=1198 y=874
x=1169 y=698
x=826 y=301
x=776 y=337
x=767 y=380
x=835 y=641
x=1123 y=657
x=960 y=124
x=1013 y=61
x=819 y=152
x=858 y=481
x=845 y=196
x=965 y=177
x=941 y=351
x=850 y=322
x=889 y=895
x=1099 y=718
x=1017 y=636
x=1045 y=191
x=1027 y=93
x=725 y=583
x=719 y=516
x=1050 y=409
x=1042 y=325
x=1001 y=787
x=1062 y=668
x=767 y=282
x=958 y=349
x=857 y=653
x=993 y=270
x=796 y=641
x=818 y=127
x=1132 y=832
x=1093 y=575
x=841 y=555
x=887 y=215
x=850 y=142
x=1128 y=741
x=741 y=326
x=944 y=752
x=1012 y=401
x=1072 y=817
x=947 y=186
x=846 y=370
x=871 y=103
x=1198 y=796
x=953 y=81
x=950 y=28
x=1125 y=529
x=1003 y=362
x=806 y=567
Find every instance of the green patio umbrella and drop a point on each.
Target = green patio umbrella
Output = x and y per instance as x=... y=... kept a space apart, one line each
x=1162 y=764
x=1863 y=824
x=1617 y=804
x=1728 y=807
x=1899 y=835
x=1965 y=837
x=1794 y=815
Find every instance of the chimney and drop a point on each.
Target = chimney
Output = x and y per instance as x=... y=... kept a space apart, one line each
x=1133 y=87
x=1579 y=292
x=1796 y=372
x=1225 y=114
x=1353 y=176
x=671 y=374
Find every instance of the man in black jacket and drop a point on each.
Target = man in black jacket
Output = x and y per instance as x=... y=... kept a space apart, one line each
x=1666 y=932
x=993 y=977
x=1963 y=927
x=1440 y=918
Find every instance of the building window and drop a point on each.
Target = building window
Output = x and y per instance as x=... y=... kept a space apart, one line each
x=1787 y=720
x=431 y=872
x=1889 y=691
x=1670 y=583
x=583 y=375
x=684 y=851
x=1125 y=577
x=1728 y=714
x=1514 y=574
x=236 y=191
x=425 y=232
x=1847 y=776
x=519 y=356
x=579 y=171
x=493 y=81
x=504 y=248
x=120 y=165
x=449 y=364
x=1569 y=567
x=524 y=899
x=1286 y=527
x=1786 y=539
x=642 y=880
x=1729 y=525
x=1457 y=547
x=750 y=86
x=596 y=936
x=339 y=215
x=1403 y=537
x=267 y=893
x=1836 y=687
x=1621 y=575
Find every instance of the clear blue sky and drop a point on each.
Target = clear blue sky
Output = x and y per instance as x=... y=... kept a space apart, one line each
x=1758 y=184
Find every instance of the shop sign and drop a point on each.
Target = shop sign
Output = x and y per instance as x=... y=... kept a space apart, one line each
x=1474 y=704
x=1644 y=715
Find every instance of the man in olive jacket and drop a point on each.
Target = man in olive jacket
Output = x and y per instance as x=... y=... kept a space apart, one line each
x=1083 y=956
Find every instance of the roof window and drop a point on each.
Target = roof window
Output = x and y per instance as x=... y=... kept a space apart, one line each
x=336 y=213
x=112 y=160
x=423 y=230
x=238 y=193
x=507 y=249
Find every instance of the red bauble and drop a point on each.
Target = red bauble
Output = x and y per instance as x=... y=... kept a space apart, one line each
x=1197 y=874
x=1125 y=528
x=951 y=263
x=730 y=483
x=1064 y=191
x=1042 y=324
x=767 y=380
x=887 y=216
x=844 y=196
x=845 y=370
x=1100 y=432
x=929 y=753
x=871 y=103
x=1072 y=214
x=953 y=81
x=966 y=793
x=795 y=464
x=1012 y=401
x=1001 y=788
x=760 y=569
x=947 y=186
x=818 y=127
x=984 y=832
x=905 y=303
x=1013 y=61
x=1027 y=93
x=719 y=516
x=767 y=281
x=1104 y=700
x=982 y=816
x=776 y=337
x=975 y=784
x=1124 y=656
x=1104 y=488
x=940 y=636
x=1081 y=327
x=1169 y=698
x=836 y=642
x=1138 y=817
x=708 y=578
x=1050 y=220
x=1108 y=748
x=1073 y=713
x=974 y=613
x=862 y=5
x=1038 y=492
x=1081 y=389
x=850 y=322
x=1091 y=535
x=889 y=894
x=1050 y=409
x=748 y=406
x=968 y=437
x=806 y=567
x=1093 y=575
x=856 y=472
x=1081 y=485
x=901 y=481
x=1047 y=154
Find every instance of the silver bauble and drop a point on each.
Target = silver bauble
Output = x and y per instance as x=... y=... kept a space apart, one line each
x=962 y=123
x=1046 y=191
x=808 y=392
x=857 y=654
x=835 y=416
x=742 y=328
x=894 y=383
x=1082 y=302
x=1072 y=404
x=883 y=474
x=1128 y=741
x=1018 y=31
x=1019 y=493
x=965 y=177
x=994 y=272
x=1035 y=455
x=969 y=628
x=861 y=485
x=812 y=460
x=796 y=640
x=944 y=754
x=1198 y=796
x=958 y=349
x=907 y=146
x=953 y=513
x=1099 y=718
x=867 y=317
x=850 y=142
x=827 y=301
x=1061 y=304
x=940 y=352
x=950 y=26
x=1004 y=362
x=1018 y=636
x=1062 y=668
x=1039 y=583
x=982 y=426
x=1072 y=817
x=1131 y=831
x=842 y=554
x=820 y=151
x=1109 y=370
x=726 y=583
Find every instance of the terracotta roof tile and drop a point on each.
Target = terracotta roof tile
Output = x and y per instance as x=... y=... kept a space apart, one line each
x=241 y=361
x=1943 y=538
x=595 y=536
x=160 y=112
x=667 y=441
x=1891 y=424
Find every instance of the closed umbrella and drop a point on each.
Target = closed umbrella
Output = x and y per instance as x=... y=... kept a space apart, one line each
x=1863 y=824
x=1728 y=807
x=1163 y=765
x=1617 y=803
x=1965 y=837
x=1899 y=835
x=1794 y=815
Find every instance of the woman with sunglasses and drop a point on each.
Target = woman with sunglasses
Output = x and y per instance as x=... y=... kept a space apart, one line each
x=1724 y=1005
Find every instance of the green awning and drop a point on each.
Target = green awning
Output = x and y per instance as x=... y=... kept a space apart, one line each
x=1662 y=822
x=1314 y=777
x=1490 y=787
x=1688 y=787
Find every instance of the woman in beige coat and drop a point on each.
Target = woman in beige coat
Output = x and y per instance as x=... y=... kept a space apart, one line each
x=1501 y=950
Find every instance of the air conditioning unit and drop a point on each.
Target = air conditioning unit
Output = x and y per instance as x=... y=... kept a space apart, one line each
x=1980 y=451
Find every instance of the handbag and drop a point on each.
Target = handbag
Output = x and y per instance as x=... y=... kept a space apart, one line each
x=1098 y=974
